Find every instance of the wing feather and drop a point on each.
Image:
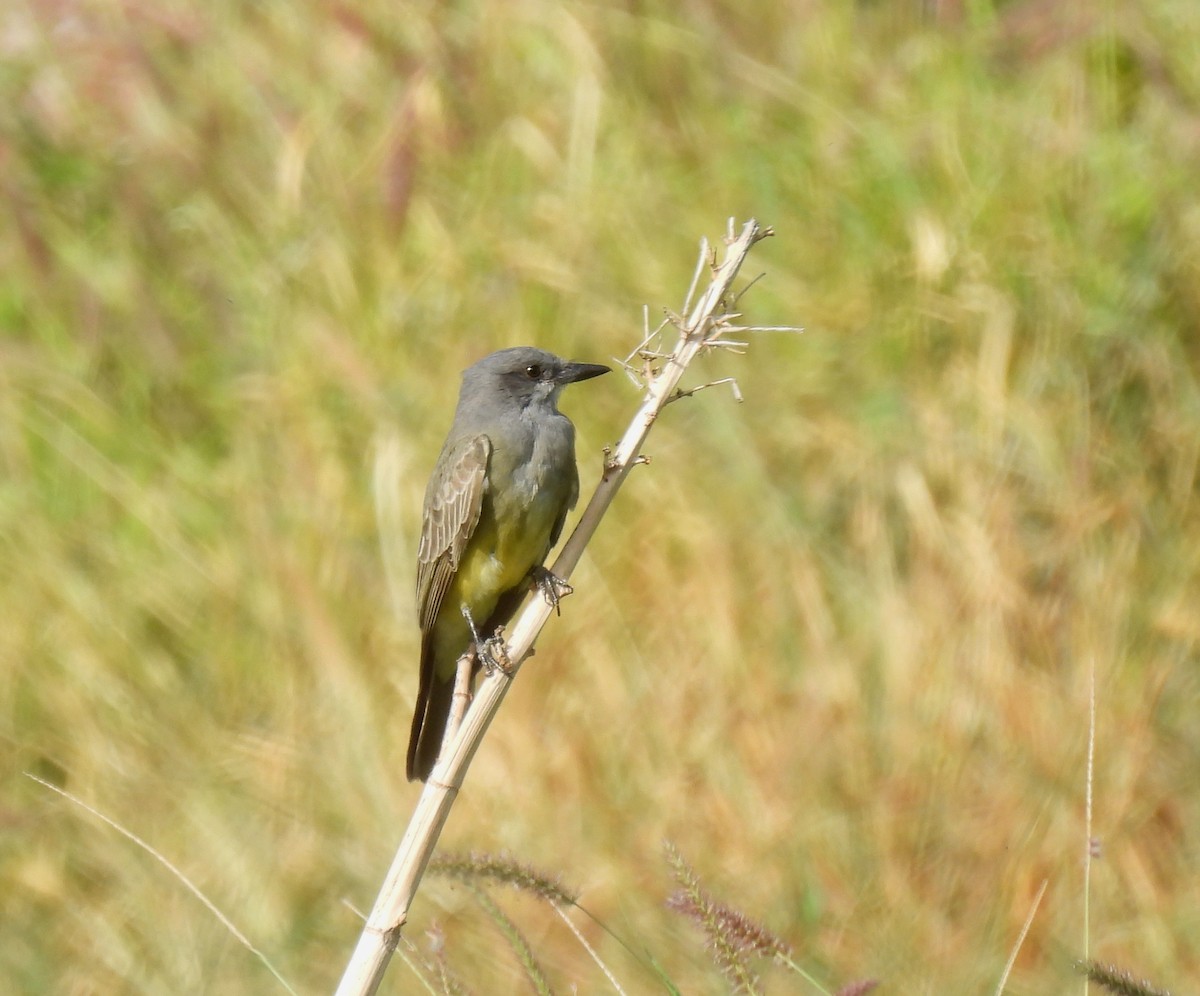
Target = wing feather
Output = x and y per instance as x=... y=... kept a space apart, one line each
x=452 y=505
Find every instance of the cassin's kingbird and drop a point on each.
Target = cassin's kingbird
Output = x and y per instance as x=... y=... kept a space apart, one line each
x=494 y=507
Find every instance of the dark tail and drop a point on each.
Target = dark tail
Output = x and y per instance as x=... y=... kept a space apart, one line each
x=435 y=698
x=434 y=701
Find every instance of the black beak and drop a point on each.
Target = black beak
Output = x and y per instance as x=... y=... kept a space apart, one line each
x=572 y=372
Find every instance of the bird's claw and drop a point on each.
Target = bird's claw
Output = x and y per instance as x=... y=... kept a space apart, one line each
x=491 y=653
x=553 y=588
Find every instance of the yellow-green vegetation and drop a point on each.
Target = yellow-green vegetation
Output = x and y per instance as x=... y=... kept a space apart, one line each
x=833 y=643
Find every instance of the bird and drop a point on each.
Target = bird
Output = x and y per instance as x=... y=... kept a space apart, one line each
x=494 y=507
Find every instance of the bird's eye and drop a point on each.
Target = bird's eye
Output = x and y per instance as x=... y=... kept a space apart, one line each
x=533 y=371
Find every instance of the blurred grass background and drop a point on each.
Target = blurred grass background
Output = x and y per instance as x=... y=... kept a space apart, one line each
x=834 y=642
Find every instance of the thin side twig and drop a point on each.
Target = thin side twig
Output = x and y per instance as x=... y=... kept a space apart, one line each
x=680 y=393
x=700 y=261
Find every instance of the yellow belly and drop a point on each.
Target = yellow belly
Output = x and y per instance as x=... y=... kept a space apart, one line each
x=494 y=563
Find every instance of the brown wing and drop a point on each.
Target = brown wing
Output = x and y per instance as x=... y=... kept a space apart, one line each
x=452 y=504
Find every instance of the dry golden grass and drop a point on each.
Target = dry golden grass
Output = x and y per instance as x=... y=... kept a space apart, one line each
x=834 y=643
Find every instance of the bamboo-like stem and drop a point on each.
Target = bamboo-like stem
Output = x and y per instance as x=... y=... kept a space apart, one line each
x=378 y=940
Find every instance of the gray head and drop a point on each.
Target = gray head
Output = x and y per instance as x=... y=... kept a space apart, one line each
x=521 y=377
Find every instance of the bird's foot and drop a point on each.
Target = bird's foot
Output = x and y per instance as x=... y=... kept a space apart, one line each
x=491 y=653
x=553 y=588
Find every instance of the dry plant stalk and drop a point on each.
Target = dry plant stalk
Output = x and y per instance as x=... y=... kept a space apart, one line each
x=703 y=328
